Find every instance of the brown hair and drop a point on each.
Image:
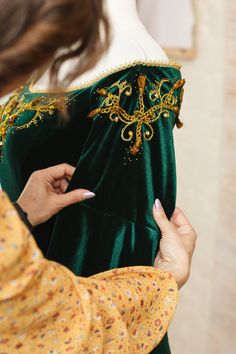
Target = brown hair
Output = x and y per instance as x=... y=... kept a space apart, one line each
x=32 y=31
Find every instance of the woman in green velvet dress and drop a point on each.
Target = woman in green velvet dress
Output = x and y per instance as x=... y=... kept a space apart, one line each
x=120 y=138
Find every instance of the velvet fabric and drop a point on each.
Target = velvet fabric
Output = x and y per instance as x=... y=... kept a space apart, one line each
x=116 y=228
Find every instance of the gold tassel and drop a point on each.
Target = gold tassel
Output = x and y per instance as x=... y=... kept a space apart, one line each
x=141 y=83
x=178 y=84
x=178 y=123
x=135 y=149
x=94 y=113
x=102 y=92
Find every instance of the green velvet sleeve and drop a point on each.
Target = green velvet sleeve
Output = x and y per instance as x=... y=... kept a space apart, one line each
x=128 y=160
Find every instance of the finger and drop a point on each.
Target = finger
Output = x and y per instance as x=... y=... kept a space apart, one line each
x=73 y=197
x=161 y=218
x=56 y=183
x=188 y=240
x=60 y=171
x=185 y=230
x=58 y=191
x=179 y=219
x=63 y=185
x=69 y=178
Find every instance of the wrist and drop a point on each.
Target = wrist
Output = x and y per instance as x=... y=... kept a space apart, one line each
x=181 y=273
x=180 y=270
x=23 y=214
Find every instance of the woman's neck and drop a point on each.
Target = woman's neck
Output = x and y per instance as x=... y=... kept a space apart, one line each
x=122 y=15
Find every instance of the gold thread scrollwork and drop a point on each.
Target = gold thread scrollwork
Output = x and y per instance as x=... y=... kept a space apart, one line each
x=17 y=104
x=141 y=118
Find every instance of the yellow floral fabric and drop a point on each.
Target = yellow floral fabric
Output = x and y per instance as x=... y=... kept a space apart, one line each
x=44 y=308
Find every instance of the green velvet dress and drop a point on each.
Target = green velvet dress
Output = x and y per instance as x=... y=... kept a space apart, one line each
x=120 y=137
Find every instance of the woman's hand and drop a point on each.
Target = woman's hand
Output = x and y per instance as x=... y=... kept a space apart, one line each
x=177 y=244
x=44 y=194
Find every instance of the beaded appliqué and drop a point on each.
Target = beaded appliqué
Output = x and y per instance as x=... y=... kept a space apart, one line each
x=164 y=103
x=16 y=105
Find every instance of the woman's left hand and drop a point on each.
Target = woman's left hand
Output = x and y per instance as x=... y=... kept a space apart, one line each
x=177 y=244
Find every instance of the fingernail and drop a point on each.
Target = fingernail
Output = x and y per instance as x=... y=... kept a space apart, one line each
x=157 y=204
x=88 y=195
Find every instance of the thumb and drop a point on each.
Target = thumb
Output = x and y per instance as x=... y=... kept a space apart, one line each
x=73 y=197
x=161 y=219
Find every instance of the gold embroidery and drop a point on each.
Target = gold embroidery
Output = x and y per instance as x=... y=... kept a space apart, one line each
x=163 y=104
x=16 y=105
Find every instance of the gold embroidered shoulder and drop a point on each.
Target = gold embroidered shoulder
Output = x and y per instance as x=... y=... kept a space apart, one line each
x=142 y=117
x=18 y=104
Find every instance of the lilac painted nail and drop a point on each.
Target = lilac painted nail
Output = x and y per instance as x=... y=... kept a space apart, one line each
x=88 y=195
x=158 y=205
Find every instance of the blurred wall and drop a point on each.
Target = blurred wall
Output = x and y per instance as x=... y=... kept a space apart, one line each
x=206 y=159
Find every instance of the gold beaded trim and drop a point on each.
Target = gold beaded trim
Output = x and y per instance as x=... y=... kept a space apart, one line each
x=164 y=103
x=104 y=74
x=17 y=105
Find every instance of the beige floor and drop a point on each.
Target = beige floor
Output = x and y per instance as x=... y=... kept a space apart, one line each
x=206 y=155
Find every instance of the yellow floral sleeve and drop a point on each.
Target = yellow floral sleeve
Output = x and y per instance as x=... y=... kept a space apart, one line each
x=45 y=309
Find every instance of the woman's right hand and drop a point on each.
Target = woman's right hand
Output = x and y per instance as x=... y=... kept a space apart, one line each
x=45 y=193
x=177 y=243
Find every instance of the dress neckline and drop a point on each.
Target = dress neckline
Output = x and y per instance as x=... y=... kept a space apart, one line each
x=107 y=73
